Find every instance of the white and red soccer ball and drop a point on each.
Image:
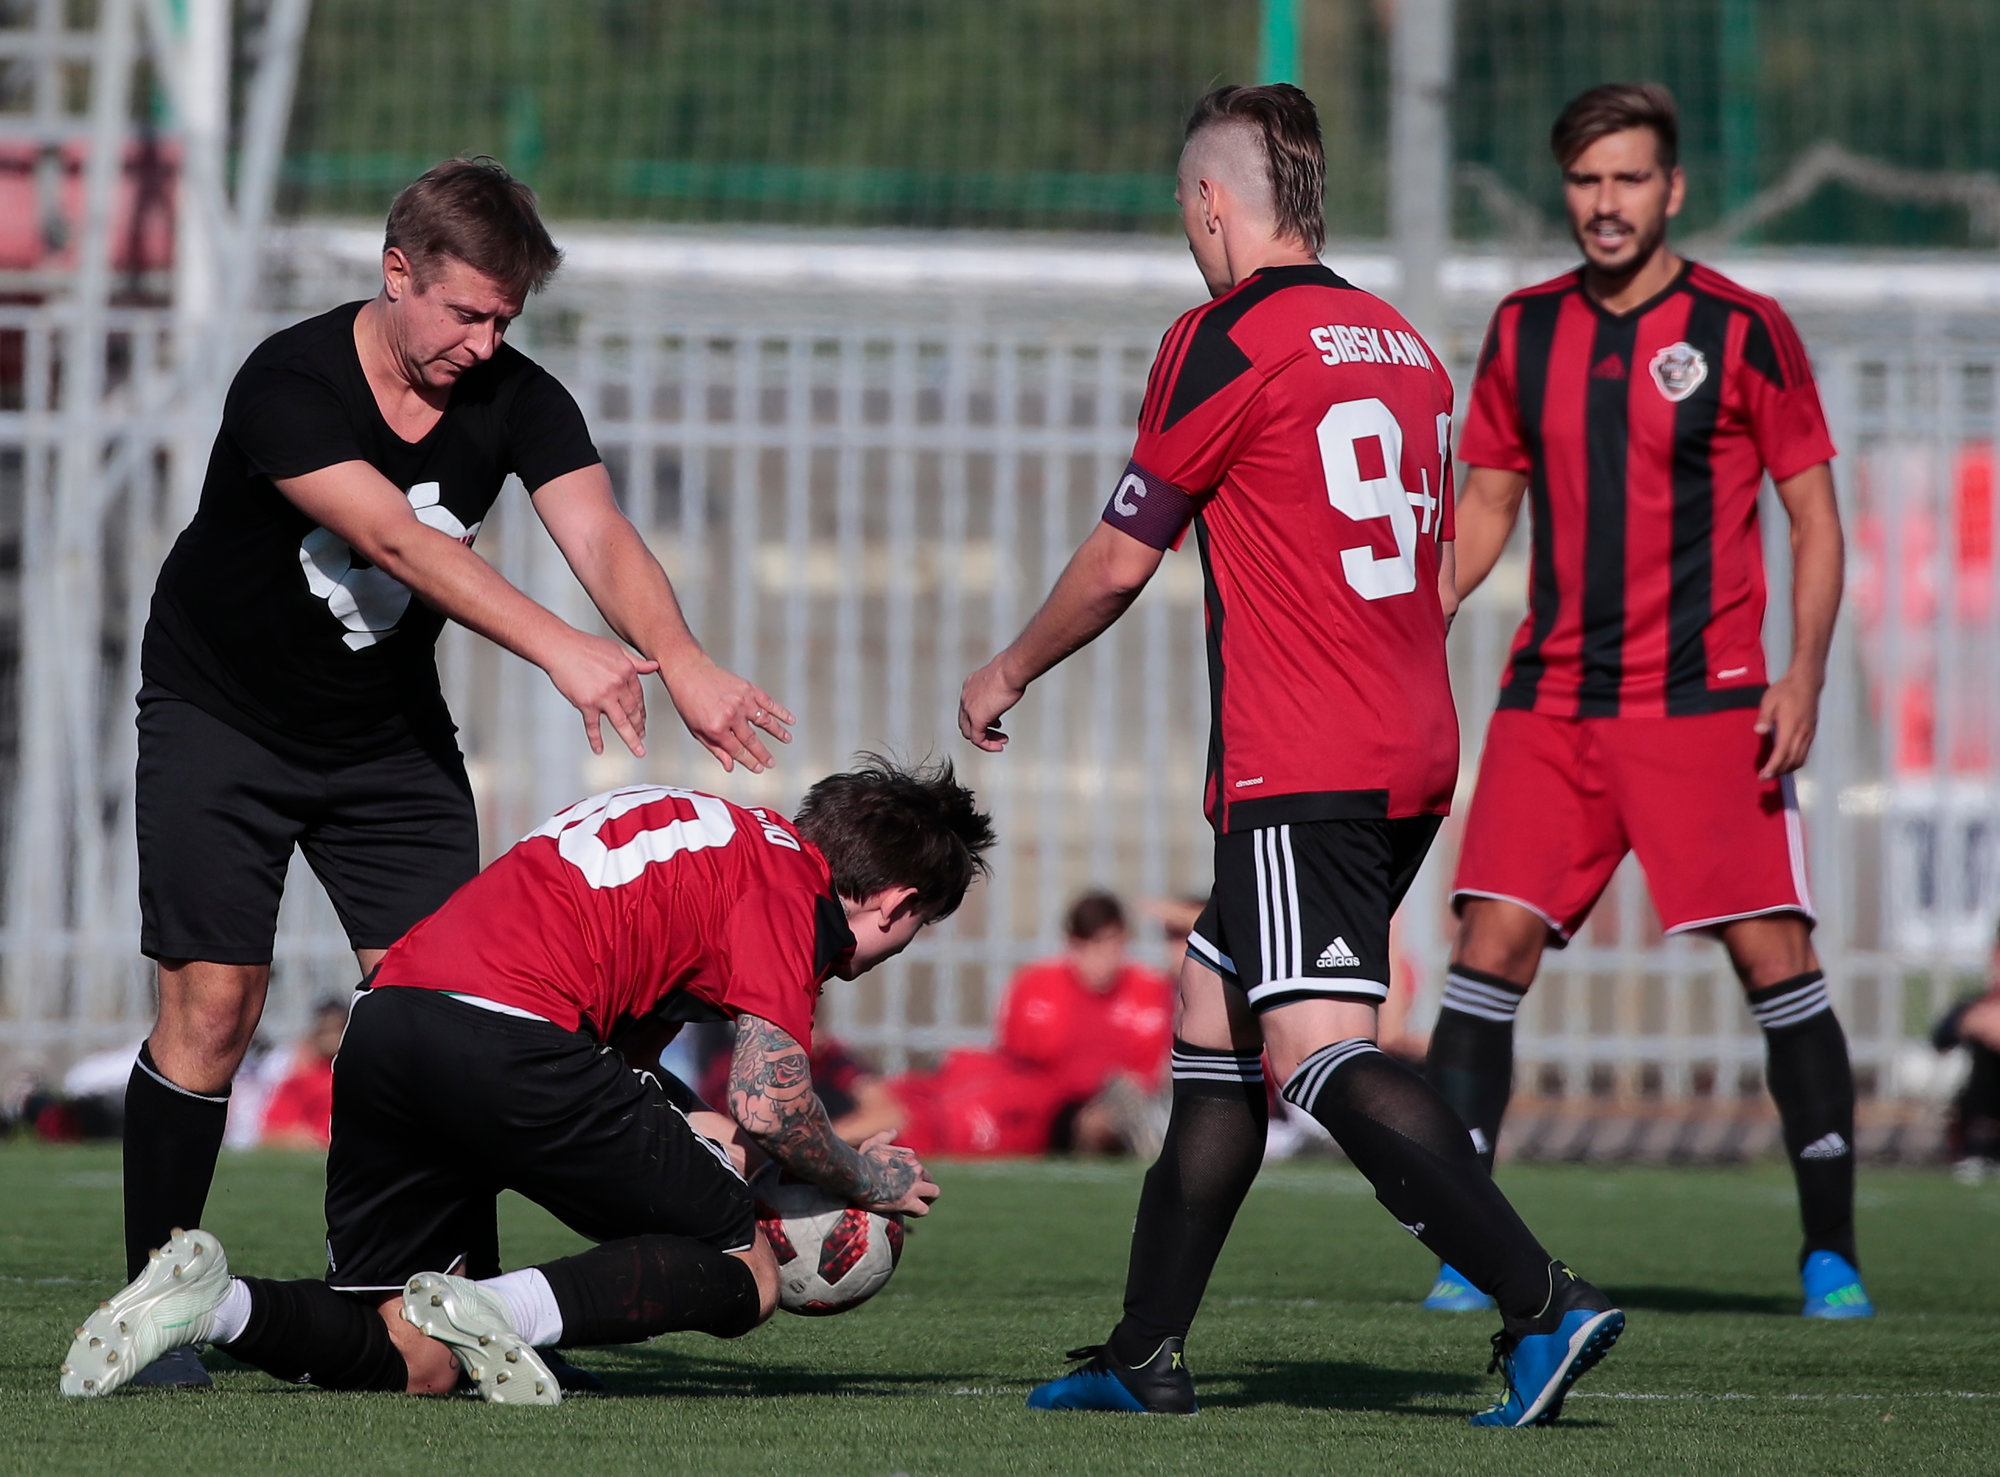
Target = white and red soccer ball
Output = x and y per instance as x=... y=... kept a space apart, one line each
x=831 y=1256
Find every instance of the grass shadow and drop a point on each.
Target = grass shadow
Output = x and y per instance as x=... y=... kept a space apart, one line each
x=632 y=1372
x=1656 y=1299
x=1319 y=1384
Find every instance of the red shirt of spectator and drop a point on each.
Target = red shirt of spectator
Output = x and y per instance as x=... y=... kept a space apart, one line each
x=1083 y=1036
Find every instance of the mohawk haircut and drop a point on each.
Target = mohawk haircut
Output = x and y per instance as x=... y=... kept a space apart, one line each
x=1288 y=124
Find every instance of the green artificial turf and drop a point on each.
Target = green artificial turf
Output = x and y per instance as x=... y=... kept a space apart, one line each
x=1312 y=1354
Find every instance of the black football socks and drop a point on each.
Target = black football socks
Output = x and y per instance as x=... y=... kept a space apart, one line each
x=1213 y=1150
x=1471 y=1060
x=172 y=1137
x=1806 y=1067
x=1414 y=1150
x=625 y=1291
x=307 y=1333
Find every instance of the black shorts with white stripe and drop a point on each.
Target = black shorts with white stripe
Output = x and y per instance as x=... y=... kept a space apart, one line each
x=1303 y=910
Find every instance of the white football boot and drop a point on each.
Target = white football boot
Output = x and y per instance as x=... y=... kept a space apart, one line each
x=457 y=1311
x=170 y=1305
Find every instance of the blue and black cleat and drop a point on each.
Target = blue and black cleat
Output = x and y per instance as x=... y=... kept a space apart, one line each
x=1833 y=1287
x=1541 y=1363
x=1454 y=1293
x=1160 y=1386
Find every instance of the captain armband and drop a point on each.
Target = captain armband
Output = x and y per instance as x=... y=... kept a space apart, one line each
x=1150 y=509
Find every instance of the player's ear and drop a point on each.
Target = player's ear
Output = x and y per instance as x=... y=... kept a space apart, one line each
x=1676 y=191
x=896 y=903
x=399 y=275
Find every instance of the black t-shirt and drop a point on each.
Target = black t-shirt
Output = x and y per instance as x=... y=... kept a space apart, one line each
x=274 y=624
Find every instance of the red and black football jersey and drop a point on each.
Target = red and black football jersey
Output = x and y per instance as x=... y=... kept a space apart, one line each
x=1303 y=427
x=630 y=897
x=1645 y=436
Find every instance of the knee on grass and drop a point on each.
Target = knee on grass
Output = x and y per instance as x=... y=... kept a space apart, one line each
x=433 y=1368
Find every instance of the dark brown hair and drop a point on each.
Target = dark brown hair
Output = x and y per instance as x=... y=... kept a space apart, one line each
x=1613 y=108
x=883 y=824
x=1092 y=914
x=1285 y=119
x=476 y=212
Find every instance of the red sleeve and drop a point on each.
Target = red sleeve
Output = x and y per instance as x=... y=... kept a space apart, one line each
x=769 y=959
x=1448 y=499
x=1780 y=399
x=1493 y=435
x=1203 y=400
x=1035 y=1018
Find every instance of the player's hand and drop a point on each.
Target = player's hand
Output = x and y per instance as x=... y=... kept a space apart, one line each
x=987 y=694
x=900 y=1182
x=600 y=677
x=724 y=712
x=1789 y=717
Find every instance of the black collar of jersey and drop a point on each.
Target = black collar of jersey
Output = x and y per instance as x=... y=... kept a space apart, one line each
x=1299 y=274
x=833 y=940
x=1631 y=314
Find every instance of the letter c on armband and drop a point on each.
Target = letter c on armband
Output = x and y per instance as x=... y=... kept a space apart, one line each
x=1132 y=487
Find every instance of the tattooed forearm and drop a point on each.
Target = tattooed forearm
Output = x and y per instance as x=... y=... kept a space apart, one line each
x=771 y=1096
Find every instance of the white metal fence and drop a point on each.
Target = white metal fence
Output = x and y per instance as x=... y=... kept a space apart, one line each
x=863 y=465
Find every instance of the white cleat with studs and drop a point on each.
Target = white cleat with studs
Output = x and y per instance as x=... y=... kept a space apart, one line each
x=456 y=1311
x=170 y=1305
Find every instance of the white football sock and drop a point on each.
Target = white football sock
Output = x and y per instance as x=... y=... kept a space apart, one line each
x=231 y=1315
x=531 y=1305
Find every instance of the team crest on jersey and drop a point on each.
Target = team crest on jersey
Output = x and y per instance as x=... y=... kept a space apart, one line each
x=1679 y=369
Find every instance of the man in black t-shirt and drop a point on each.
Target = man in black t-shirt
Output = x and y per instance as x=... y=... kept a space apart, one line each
x=290 y=692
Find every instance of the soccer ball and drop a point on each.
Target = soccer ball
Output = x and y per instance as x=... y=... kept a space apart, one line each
x=831 y=1256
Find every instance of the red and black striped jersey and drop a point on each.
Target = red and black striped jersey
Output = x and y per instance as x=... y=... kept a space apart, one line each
x=1645 y=436
x=1303 y=428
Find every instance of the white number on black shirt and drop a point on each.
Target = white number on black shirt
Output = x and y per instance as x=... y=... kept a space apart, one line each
x=369 y=602
x=1361 y=454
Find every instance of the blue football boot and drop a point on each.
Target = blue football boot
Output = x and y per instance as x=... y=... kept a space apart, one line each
x=1541 y=1359
x=1452 y=1293
x=1833 y=1287
x=1160 y=1386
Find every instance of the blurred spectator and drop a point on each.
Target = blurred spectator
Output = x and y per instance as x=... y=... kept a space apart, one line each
x=1080 y=1059
x=299 y=1112
x=1974 y=1025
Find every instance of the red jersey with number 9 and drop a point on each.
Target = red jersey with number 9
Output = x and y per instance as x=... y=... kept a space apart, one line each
x=1302 y=426
x=629 y=898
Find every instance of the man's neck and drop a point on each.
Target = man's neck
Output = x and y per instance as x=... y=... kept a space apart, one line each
x=382 y=364
x=1247 y=261
x=1621 y=292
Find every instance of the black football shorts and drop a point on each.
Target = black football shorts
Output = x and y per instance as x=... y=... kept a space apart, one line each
x=218 y=815
x=1303 y=910
x=438 y=1106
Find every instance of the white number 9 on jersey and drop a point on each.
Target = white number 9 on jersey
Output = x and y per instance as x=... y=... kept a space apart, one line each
x=1361 y=453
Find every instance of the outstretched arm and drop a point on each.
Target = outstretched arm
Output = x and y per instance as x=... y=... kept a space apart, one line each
x=357 y=503
x=1103 y=577
x=771 y=1096
x=1790 y=710
x=626 y=583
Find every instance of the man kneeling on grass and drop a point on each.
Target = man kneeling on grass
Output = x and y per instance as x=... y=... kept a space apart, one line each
x=480 y=1057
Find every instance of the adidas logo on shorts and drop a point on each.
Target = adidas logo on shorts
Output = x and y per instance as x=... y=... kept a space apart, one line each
x=1337 y=955
x=1826 y=1146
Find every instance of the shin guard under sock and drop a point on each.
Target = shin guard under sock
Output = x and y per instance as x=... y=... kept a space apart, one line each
x=172 y=1137
x=307 y=1333
x=1807 y=1070
x=626 y=1291
x=1213 y=1150
x=1419 y=1157
x=1471 y=1060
